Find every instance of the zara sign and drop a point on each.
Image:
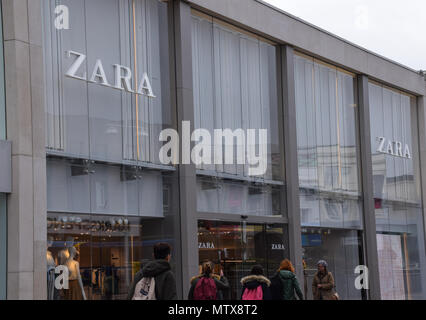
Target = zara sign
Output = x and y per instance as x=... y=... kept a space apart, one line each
x=394 y=148
x=122 y=76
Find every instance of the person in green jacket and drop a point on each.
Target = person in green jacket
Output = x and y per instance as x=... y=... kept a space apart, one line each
x=285 y=283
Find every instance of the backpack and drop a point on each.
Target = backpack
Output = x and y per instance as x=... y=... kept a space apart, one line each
x=253 y=294
x=145 y=289
x=205 y=289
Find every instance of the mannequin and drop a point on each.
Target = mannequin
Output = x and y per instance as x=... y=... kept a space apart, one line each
x=64 y=254
x=76 y=289
x=51 y=265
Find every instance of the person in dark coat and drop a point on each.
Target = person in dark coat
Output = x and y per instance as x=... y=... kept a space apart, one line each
x=221 y=282
x=165 y=282
x=284 y=284
x=256 y=279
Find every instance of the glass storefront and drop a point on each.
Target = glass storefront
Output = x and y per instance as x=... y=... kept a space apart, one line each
x=109 y=199
x=112 y=218
x=236 y=247
x=235 y=87
x=109 y=251
x=398 y=205
x=329 y=170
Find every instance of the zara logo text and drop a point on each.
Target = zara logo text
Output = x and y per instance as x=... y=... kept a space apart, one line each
x=393 y=148
x=122 y=76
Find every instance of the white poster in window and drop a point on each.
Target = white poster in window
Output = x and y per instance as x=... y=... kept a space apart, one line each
x=390 y=267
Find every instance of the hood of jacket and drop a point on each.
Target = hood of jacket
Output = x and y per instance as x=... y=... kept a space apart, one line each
x=253 y=281
x=286 y=274
x=155 y=267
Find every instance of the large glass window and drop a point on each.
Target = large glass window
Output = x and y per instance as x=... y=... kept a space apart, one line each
x=108 y=96
x=109 y=250
x=342 y=249
x=329 y=169
x=238 y=197
x=111 y=216
x=89 y=119
x=235 y=87
x=398 y=205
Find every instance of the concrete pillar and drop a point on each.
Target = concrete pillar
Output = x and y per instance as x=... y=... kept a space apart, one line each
x=187 y=172
x=23 y=55
x=370 y=242
x=291 y=162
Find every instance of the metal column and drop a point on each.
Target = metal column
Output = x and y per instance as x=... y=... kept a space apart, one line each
x=370 y=247
x=291 y=161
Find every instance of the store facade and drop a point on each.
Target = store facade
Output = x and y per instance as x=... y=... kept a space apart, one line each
x=343 y=179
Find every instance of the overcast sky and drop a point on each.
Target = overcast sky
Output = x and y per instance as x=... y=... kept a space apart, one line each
x=395 y=29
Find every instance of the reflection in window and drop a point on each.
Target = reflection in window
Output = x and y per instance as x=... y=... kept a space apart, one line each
x=84 y=187
x=235 y=83
x=398 y=205
x=97 y=122
x=218 y=196
x=108 y=251
x=326 y=117
x=342 y=249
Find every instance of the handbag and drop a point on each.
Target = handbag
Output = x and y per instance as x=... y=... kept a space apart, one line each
x=335 y=294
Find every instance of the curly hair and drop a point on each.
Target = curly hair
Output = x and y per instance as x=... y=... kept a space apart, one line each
x=286 y=265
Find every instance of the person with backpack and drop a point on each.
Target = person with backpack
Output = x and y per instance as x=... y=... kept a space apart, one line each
x=255 y=285
x=284 y=284
x=323 y=283
x=155 y=280
x=207 y=286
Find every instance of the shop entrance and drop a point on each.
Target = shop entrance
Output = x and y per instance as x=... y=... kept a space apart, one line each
x=235 y=247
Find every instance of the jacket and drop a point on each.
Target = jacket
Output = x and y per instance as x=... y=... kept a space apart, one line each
x=285 y=286
x=221 y=283
x=254 y=281
x=165 y=282
x=327 y=290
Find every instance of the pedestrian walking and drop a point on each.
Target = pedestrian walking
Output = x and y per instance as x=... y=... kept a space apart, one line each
x=155 y=280
x=323 y=283
x=284 y=284
x=256 y=285
x=207 y=286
